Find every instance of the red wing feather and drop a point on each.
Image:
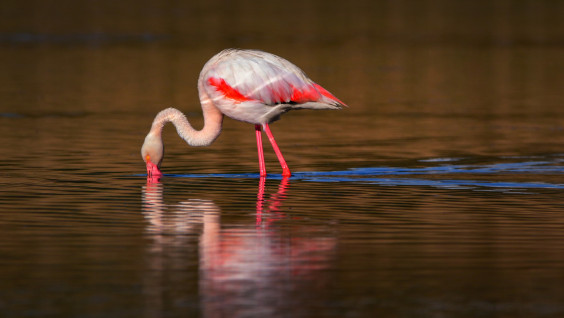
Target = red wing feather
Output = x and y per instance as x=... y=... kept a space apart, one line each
x=228 y=91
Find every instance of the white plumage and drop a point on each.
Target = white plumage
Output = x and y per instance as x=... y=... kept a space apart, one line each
x=266 y=81
x=247 y=85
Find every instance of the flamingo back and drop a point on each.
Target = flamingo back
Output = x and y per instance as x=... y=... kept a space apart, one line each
x=257 y=87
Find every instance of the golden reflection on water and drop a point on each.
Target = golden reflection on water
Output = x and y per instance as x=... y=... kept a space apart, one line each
x=476 y=81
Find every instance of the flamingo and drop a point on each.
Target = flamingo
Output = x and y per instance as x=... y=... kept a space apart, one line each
x=247 y=85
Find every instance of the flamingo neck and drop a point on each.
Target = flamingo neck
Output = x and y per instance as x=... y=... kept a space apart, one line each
x=213 y=120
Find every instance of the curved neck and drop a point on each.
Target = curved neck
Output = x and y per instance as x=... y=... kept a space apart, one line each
x=213 y=120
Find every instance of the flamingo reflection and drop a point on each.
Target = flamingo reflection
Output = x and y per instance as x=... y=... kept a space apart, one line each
x=273 y=204
x=241 y=268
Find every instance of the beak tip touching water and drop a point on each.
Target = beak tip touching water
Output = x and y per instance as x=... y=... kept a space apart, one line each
x=153 y=170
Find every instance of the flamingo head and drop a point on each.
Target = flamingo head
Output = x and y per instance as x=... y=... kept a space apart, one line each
x=152 y=153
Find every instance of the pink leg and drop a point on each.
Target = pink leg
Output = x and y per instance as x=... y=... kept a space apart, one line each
x=262 y=166
x=285 y=170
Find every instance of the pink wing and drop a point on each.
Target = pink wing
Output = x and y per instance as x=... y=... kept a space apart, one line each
x=248 y=75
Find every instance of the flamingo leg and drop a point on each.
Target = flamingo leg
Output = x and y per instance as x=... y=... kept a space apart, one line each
x=285 y=170
x=262 y=166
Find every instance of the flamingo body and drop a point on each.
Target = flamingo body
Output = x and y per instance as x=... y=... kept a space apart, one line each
x=257 y=87
x=247 y=85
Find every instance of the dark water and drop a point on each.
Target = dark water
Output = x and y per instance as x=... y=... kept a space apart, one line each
x=438 y=193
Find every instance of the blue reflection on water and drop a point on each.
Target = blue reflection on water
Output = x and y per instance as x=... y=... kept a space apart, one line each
x=378 y=175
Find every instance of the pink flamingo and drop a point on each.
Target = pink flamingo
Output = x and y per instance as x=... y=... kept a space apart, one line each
x=248 y=85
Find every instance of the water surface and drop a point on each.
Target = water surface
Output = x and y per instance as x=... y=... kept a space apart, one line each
x=438 y=193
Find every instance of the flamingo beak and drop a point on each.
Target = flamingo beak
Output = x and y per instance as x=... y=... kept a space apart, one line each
x=152 y=169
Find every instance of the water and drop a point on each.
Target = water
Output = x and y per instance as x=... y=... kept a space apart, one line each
x=438 y=193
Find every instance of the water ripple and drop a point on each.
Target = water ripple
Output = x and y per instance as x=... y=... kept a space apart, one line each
x=379 y=175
